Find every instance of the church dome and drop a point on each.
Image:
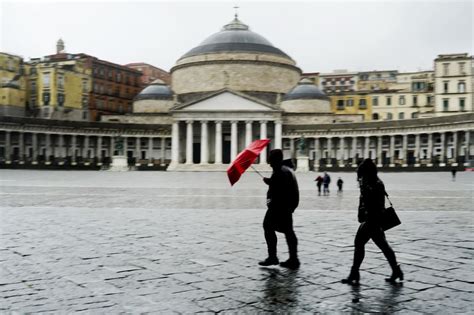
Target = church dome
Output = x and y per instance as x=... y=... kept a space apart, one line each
x=305 y=90
x=156 y=90
x=238 y=59
x=235 y=36
x=306 y=97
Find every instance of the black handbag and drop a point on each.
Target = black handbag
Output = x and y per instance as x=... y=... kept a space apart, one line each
x=389 y=217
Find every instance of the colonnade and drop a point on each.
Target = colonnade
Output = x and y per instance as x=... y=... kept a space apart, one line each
x=61 y=148
x=220 y=129
x=441 y=148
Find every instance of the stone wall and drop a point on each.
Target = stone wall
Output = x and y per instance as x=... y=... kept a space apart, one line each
x=152 y=106
x=235 y=75
x=306 y=106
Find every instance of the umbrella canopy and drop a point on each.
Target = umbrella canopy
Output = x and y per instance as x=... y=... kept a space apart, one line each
x=245 y=158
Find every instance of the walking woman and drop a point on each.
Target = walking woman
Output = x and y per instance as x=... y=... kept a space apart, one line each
x=372 y=202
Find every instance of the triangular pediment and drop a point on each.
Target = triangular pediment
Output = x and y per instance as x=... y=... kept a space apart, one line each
x=227 y=101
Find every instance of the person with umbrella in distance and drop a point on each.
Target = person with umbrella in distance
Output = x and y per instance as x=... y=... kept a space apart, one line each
x=282 y=200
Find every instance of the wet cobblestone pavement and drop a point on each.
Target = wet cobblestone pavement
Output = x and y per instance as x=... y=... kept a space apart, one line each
x=138 y=242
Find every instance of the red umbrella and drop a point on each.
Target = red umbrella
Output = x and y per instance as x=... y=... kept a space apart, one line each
x=245 y=159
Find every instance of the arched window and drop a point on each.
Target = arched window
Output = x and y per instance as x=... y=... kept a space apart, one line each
x=375 y=116
x=461 y=87
x=389 y=116
x=401 y=115
x=414 y=115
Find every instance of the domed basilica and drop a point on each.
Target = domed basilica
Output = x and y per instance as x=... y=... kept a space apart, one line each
x=233 y=88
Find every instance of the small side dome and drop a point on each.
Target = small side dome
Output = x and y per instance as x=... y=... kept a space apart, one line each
x=304 y=90
x=157 y=90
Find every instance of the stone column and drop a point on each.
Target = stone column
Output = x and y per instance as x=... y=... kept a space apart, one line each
x=404 y=150
x=417 y=152
x=163 y=150
x=73 y=149
x=189 y=142
x=8 y=147
x=443 y=148
x=366 y=147
x=429 y=152
x=342 y=151
x=278 y=135
x=125 y=147
x=93 y=149
x=218 y=148
x=354 y=151
x=85 y=148
x=317 y=152
x=204 y=143
x=329 y=148
x=455 y=146
x=467 y=155
x=47 y=142
x=21 y=148
x=379 y=151
x=392 y=151
x=175 y=143
x=99 y=150
x=248 y=132
x=233 y=140
x=137 y=150
x=111 y=147
x=263 y=135
x=34 y=138
x=150 y=151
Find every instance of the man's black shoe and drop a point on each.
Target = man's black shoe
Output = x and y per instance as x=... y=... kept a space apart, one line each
x=269 y=261
x=291 y=264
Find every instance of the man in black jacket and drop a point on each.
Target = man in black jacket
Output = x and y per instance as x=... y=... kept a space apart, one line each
x=282 y=200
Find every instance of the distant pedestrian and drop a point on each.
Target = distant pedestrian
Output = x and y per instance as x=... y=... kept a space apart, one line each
x=326 y=182
x=339 y=183
x=282 y=200
x=319 y=183
x=453 y=173
x=371 y=203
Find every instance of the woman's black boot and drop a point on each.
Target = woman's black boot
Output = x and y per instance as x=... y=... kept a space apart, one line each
x=353 y=278
x=396 y=274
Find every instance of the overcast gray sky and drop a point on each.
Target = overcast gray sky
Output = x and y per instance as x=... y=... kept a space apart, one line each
x=319 y=35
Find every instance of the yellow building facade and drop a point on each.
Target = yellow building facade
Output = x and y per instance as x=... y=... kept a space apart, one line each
x=12 y=85
x=352 y=103
x=59 y=89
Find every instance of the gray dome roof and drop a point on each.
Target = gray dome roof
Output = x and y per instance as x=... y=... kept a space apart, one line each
x=305 y=89
x=156 y=90
x=235 y=36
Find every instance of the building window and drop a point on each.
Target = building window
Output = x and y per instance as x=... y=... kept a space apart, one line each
x=46 y=80
x=350 y=102
x=33 y=70
x=33 y=87
x=84 y=102
x=389 y=100
x=401 y=115
x=61 y=99
x=375 y=102
x=462 y=102
x=84 y=85
x=414 y=115
x=32 y=102
x=415 y=100
x=461 y=68
x=118 y=77
x=445 y=68
x=362 y=103
x=445 y=104
x=462 y=87
x=60 y=82
x=340 y=104
x=428 y=100
x=401 y=100
x=46 y=98
x=375 y=116
x=389 y=116
x=445 y=86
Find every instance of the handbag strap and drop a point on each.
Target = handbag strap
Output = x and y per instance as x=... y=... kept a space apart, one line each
x=386 y=195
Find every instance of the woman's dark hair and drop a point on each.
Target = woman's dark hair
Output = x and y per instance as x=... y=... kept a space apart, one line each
x=367 y=169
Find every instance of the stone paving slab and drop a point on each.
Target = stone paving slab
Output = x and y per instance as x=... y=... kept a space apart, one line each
x=91 y=258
